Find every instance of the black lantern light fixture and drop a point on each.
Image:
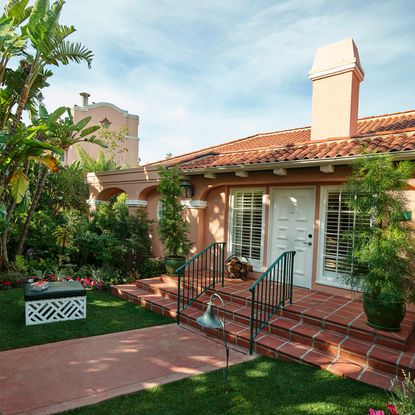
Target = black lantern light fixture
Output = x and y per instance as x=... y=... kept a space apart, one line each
x=210 y=321
x=187 y=189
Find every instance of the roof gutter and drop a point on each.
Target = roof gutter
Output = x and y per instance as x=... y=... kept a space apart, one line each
x=399 y=155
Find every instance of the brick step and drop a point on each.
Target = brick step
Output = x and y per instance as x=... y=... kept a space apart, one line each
x=335 y=344
x=357 y=329
x=166 y=286
x=349 y=321
x=344 y=347
x=320 y=349
x=361 y=339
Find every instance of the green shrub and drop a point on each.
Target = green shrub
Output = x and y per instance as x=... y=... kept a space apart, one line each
x=114 y=239
x=173 y=228
x=383 y=254
x=403 y=397
x=152 y=267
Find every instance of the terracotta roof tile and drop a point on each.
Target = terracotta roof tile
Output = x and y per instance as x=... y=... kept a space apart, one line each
x=295 y=144
x=307 y=151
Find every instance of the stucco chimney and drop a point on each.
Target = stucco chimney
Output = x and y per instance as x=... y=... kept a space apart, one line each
x=336 y=74
x=85 y=97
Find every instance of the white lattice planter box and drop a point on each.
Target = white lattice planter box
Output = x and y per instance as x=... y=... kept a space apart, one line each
x=55 y=309
x=62 y=301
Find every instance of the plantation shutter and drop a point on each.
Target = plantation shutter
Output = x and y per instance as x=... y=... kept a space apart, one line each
x=339 y=220
x=247 y=217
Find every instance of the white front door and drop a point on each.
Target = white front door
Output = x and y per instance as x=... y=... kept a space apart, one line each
x=291 y=229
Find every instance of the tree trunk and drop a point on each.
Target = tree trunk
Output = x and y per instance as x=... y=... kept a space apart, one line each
x=4 y=260
x=22 y=103
x=39 y=189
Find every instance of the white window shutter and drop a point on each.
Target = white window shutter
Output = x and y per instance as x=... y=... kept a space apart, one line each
x=339 y=221
x=247 y=224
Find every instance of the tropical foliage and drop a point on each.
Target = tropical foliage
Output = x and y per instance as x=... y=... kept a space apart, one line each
x=383 y=255
x=114 y=238
x=45 y=228
x=172 y=228
x=32 y=37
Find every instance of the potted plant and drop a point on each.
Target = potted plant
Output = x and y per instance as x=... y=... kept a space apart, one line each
x=172 y=226
x=381 y=264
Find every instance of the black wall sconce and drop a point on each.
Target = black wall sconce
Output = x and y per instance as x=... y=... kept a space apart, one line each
x=187 y=189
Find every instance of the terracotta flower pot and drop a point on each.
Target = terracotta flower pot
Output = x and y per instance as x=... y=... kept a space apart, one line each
x=381 y=317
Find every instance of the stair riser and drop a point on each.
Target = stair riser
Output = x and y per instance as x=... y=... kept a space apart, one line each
x=197 y=303
x=232 y=298
x=225 y=296
x=335 y=350
x=160 y=292
x=354 y=333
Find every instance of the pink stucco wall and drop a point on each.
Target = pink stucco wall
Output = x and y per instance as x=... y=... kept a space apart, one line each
x=119 y=119
x=211 y=224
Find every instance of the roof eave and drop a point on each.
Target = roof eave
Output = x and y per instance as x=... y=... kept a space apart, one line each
x=398 y=155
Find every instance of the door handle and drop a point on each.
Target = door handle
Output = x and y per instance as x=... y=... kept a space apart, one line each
x=308 y=243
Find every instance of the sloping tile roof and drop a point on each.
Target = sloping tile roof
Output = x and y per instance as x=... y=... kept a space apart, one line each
x=308 y=151
x=388 y=132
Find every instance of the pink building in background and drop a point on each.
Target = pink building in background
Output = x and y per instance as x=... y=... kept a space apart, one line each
x=116 y=119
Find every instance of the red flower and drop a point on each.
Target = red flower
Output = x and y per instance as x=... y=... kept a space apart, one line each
x=7 y=283
x=392 y=409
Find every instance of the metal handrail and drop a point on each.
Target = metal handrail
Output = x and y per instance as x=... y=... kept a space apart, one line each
x=270 y=292
x=199 y=274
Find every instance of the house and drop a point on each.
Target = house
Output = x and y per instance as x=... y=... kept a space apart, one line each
x=282 y=190
x=107 y=115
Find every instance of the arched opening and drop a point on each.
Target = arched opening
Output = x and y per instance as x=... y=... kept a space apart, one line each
x=106 y=194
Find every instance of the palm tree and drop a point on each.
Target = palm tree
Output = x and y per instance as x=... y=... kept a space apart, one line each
x=11 y=43
x=13 y=83
x=44 y=38
x=47 y=38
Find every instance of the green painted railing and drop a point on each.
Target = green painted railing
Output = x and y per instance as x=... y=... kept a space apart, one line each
x=270 y=292
x=196 y=276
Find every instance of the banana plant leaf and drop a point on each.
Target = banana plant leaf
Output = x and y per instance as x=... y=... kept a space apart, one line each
x=19 y=184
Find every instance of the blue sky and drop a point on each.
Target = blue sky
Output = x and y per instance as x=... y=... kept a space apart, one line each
x=204 y=72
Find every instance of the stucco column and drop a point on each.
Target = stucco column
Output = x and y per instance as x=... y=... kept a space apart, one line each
x=196 y=214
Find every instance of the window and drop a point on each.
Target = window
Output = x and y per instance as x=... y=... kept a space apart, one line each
x=337 y=220
x=246 y=222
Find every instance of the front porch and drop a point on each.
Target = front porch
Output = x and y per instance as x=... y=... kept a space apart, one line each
x=319 y=329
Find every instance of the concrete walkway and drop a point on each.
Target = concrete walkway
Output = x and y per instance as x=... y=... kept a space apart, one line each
x=54 y=377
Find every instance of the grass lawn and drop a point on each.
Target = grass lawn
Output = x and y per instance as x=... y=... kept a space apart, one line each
x=262 y=386
x=105 y=314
